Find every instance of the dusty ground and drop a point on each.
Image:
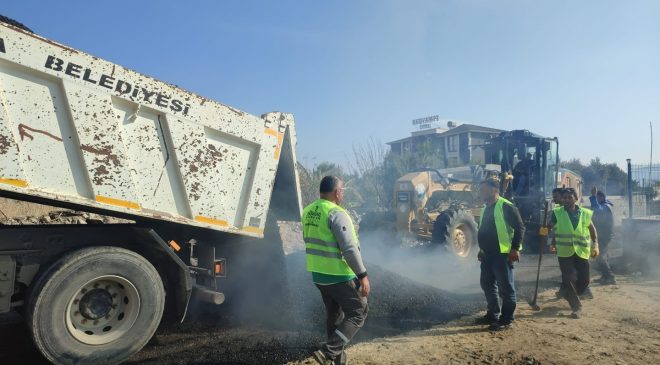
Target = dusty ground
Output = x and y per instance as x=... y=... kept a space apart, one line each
x=621 y=325
x=422 y=307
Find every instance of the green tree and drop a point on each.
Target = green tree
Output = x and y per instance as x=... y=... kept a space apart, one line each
x=371 y=176
x=311 y=178
x=608 y=177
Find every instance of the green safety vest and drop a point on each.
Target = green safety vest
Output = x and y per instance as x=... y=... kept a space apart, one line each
x=504 y=231
x=321 y=247
x=571 y=240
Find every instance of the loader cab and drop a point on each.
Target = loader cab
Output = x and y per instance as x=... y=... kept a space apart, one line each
x=533 y=161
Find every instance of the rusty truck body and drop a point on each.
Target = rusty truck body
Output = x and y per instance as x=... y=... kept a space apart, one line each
x=80 y=132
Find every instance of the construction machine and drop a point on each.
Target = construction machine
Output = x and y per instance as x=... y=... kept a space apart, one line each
x=442 y=207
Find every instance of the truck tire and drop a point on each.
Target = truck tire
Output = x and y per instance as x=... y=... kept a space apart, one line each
x=98 y=305
x=457 y=229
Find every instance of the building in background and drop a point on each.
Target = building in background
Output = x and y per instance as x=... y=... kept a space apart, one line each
x=458 y=143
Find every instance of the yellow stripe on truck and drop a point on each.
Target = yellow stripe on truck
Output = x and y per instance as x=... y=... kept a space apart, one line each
x=255 y=230
x=14 y=182
x=208 y=220
x=118 y=202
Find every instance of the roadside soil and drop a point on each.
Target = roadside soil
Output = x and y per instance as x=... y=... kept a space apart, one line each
x=621 y=325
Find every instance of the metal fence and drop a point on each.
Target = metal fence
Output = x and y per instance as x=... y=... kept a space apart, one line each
x=644 y=190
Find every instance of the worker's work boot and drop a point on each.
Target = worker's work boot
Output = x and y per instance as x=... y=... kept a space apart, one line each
x=500 y=326
x=322 y=359
x=341 y=359
x=607 y=280
x=487 y=320
x=587 y=294
x=577 y=313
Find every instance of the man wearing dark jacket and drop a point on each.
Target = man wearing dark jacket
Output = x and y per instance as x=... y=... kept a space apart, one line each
x=500 y=236
x=604 y=221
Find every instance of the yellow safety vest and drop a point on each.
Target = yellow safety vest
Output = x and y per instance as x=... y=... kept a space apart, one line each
x=571 y=240
x=504 y=231
x=322 y=250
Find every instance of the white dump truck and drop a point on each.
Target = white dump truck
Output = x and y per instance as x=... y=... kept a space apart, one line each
x=83 y=133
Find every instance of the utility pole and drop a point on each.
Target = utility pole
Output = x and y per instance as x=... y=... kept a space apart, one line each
x=630 y=201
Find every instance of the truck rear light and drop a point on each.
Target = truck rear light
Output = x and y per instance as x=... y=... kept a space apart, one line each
x=220 y=267
x=175 y=246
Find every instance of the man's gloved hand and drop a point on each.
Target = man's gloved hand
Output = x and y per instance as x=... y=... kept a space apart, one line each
x=553 y=248
x=595 y=251
x=594 y=190
x=543 y=231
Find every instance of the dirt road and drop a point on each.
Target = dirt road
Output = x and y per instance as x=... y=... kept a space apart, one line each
x=422 y=305
x=621 y=325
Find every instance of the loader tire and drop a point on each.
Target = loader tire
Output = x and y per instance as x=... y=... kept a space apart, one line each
x=457 y=229
x=97 y=305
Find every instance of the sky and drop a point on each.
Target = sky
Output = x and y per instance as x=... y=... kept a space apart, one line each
x=587 y=72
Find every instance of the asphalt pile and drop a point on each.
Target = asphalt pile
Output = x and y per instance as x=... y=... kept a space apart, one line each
x=273 y=313
x=274 y=325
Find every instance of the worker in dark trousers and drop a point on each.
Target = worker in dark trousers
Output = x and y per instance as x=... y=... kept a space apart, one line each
x=604 y=223
x=333 y=257
x=558 y=202
x=576 y=241
x=500 y=235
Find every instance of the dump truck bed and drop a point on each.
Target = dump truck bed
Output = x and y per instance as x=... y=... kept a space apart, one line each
x=78 y=130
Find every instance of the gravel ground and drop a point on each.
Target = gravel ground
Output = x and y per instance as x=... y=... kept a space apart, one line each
x=275 y=314
x=267 y=334
x=276 y=334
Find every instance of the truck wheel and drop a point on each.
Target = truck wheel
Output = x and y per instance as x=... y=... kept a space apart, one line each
x=458 y=230
x=98 y=305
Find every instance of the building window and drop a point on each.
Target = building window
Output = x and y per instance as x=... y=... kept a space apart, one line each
x=452 y=143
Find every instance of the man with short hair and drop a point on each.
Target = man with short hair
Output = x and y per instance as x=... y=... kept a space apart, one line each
x=557 y=196
x=576 y=241
x=501 y=231
x=604 y=223
x=333 y=257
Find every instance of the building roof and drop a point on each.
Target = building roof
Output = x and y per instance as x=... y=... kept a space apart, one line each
x=400 y=140
x=425 y=132
x=462 y=128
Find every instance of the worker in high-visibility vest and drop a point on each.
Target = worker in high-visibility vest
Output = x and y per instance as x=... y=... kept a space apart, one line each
x=333 y=257
x=500 y=236
x=576 y=240
x=558 y=201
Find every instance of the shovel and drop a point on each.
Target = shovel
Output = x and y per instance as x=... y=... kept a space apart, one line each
x=542 y=243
